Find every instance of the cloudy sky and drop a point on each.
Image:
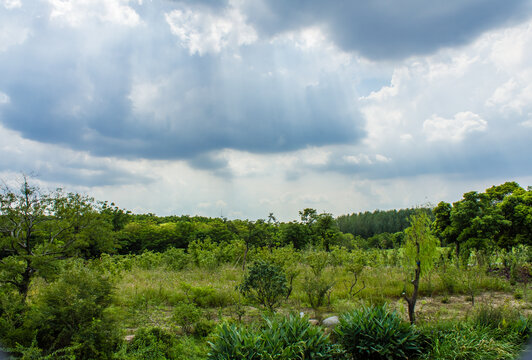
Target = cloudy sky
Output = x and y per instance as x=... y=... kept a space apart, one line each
x=245 y=107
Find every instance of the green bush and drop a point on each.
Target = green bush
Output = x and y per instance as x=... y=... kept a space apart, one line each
x=235 y=343
x=175 y=259
x=158 y=344
x=14 y=327
x=378 y=333
x=149 y=343
x=205 y=296
x=186 y=315
x=294 y=337
x=204 y=327
x=463 y=341
x=280 y=339
x=265 y=284
x=73 y=312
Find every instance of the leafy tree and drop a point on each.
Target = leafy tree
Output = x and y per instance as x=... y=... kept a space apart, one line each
x=253 y=233
x=294 y=233
x=420 y=253
x=501 y=216
x=38 y=228
x=265 y=284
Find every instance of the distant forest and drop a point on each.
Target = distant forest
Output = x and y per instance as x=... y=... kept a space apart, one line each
x=369 y=224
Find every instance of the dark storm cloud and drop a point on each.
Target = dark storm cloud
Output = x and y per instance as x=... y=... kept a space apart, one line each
x=85 y=88
x=387 y=29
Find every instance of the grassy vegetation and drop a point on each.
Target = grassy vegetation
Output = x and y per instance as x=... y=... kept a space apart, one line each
x=147 y=295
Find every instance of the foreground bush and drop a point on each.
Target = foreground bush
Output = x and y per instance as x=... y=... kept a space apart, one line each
x=153 y=343
x=72 y=313
x=280 y=339
x=374 y=333
x=150 y=343
x=465 y=341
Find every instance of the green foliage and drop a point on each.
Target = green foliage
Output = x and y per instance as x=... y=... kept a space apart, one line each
x=369 y=224
x=154 y=343
x=186 y=315
x=14 y=326
x=204 y=327
x=234 y=343
x=463 y=341
x=150 y=343
x=205 y=296
x=38 y=228
x=175 y=259
x=264 y=284
x=501 y=216
x=73 y=311
x=316 y=282
x=282 y=338
x=420 y=245
x=378 y=333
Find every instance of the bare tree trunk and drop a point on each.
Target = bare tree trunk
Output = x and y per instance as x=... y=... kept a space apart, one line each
x=411 y=301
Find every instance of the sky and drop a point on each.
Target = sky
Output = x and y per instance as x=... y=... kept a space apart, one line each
x=239 y=108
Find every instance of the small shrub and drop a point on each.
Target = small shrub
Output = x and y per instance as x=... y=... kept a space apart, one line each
x=294 y=337
x=204 y=327
x=205 y=296
x=149 y=343
x=377 y=333
x=445 y=299
x=518 y=294
x=175 y=259
x=186 y=315
x=316 y=288
x=280 y=339
x=264 y=284
x=233 y=342
x=489 y=316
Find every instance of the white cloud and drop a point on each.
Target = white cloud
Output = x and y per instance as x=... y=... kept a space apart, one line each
x=4 y=98
x=358 y=159
x=514 y=96
x=203 y=32
x=77 y=12
x=11 y=4
x=382 y=158
x=456 y=129
x=12 y=34
x=527 y=123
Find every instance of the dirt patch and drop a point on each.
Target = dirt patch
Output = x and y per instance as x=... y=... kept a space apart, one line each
x=459 y=306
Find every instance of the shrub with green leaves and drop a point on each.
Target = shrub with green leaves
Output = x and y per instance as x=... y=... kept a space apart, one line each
x=234 y=342
x=150 y=343
x=281 y=338
x=186 y=315
x=466 y=341
x=264 y=284
x=73 y=312
x=374 y=333
x=175 y=259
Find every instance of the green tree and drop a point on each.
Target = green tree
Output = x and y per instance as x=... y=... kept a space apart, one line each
x=38 y=228
x=420 y=253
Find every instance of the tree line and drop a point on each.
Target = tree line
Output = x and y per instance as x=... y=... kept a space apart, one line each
x=39 y=228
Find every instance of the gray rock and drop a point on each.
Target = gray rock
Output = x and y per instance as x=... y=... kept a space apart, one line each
x=313 y=322
x=331 y=321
